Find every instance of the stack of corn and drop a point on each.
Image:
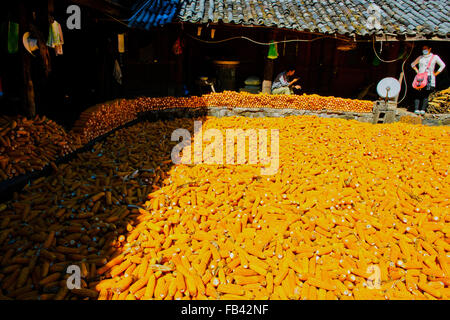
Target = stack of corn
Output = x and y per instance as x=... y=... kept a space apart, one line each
x=75 y=216
x=30 y=144
x=355 y=211
x=103 y=118
x=411 y=119
x=302 y=102
x=439 y=102
x=343 y=219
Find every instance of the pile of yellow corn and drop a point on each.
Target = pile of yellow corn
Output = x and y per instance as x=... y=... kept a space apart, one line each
x=355 y=211
x=103 y=118
x=76 y=214
x=30 y=144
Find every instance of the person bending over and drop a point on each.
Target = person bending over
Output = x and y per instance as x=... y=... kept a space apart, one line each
x=284 y=83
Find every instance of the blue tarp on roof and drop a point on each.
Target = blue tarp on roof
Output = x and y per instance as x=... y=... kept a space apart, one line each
x=153 y=13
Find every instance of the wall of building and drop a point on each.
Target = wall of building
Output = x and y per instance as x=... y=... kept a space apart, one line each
x=79 y=78
x=83 y=75
x=322 y=68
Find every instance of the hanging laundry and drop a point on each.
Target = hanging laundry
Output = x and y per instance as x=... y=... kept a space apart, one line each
x=59 y=50
x=13 y=37
x=117 y=73
x=55 y=38
x=273 y=52
x=178 y=47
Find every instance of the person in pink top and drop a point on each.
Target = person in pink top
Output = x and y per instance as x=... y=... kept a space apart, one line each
x=421 y=101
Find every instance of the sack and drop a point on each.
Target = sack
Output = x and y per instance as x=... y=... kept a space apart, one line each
x=252 y=81
x=421 y=80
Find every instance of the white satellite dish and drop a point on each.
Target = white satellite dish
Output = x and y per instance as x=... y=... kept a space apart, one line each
x=388 y=88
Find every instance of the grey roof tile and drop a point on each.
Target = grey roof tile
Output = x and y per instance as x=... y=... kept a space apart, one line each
x=211 y=6
x=413 y=17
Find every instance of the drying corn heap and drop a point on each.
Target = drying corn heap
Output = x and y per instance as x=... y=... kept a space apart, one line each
x=439 y=102
x=31 y=144
x=103 y=118
x=355 y=211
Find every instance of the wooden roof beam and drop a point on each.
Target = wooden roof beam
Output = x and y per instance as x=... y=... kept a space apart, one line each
x=408 y=38
x=108 y=7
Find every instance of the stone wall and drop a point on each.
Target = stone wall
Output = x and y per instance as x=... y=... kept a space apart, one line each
x=429 y=119
x=278 y=113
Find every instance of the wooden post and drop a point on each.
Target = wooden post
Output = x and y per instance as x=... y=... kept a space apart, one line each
x=190 y=79
x=393 y=67
x=164 y=58
x=179 y=59
x=51 y=10
x=307 y=66
x=179 y=75
x=336 y=64
x=321 y=72
x=268 y=76
x=268 y=71
x=29 y=102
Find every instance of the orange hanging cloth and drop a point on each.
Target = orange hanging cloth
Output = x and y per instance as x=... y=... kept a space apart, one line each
x=178 y=47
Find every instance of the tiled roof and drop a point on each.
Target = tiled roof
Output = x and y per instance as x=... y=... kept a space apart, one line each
x=348 y=17
x=152 y=13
